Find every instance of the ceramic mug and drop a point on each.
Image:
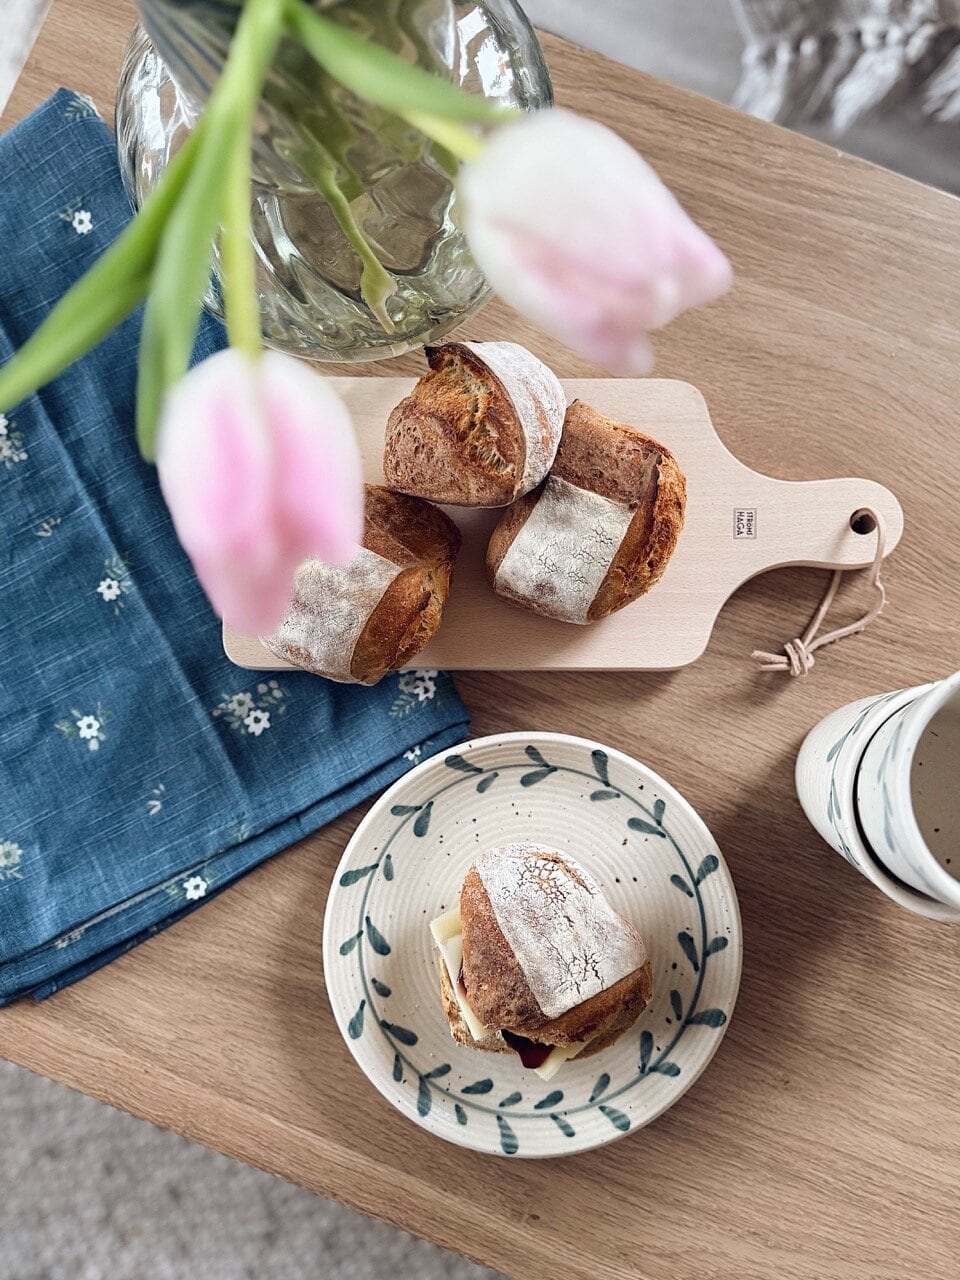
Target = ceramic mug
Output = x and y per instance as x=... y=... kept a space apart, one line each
x=908 y=791
x=826 y=778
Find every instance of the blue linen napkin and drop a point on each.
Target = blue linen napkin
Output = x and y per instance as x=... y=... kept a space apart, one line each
x=140 y=771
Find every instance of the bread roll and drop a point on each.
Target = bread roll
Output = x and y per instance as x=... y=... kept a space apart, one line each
x=600 y=531
x=479 y=430
x=547 y=963
x=354 y=624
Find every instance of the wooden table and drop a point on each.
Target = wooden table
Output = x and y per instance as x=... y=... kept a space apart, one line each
x=824 y=1140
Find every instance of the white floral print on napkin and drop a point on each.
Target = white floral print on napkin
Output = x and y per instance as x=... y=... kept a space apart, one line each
x=81 y=107
x=11 y=443
x=84 y=726
x=415 y=688
x=252 y=713
x=195 y=888
x=11 y=855
x=116 y=583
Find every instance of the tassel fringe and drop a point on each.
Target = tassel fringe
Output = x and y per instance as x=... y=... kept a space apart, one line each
x=853 y=74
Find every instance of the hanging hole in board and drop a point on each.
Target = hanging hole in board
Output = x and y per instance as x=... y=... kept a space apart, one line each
x=862 y=522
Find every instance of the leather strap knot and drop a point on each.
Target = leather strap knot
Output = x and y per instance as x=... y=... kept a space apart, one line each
x=797 y=657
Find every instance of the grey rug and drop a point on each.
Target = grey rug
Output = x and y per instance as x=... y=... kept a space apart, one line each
x=88 y=1193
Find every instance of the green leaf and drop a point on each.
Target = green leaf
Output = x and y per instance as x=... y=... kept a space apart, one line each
x=707 y=867
x=355 y=1025
x=549 y=1101
x=478 y=1086
x=388 y=867
x=422 y=824
x=459 y=1112
x=401 y=810
x=508 y=1139
x=485 y=783
x=403 y=1034
x=347 y=947
x=376 y=939
x=183 y=259
x=675 y=1004
x=374 y=73
x=533 y=754
x=460 y=765
x=510 y=1100
x=601 y=765
x=646 y=1049
x=353 y=877
x=600 y=1087
x=658 y=809
x=397 y=1068
x=537 y=775
x=716 y=944
x=424 y=1098
x=707 y=1018
x=380 y=988
x=689 y=949
x=616 y=1118
x=604 y=795
x=666 y=1068
x=648 y=829
x=563 y=1125
x=835 y=748
x=682 y=885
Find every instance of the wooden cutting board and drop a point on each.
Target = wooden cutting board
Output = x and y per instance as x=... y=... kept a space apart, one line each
x=738 y=524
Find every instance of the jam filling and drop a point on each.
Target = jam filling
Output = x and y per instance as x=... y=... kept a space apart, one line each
x=531 y=1053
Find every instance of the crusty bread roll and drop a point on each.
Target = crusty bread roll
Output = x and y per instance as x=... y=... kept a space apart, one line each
x=547 y=961
x=479 y=430
x=600 y=531
x=354 y=624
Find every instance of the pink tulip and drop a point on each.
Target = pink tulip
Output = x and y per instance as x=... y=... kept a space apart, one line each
x=576 y=231
x=260 y=468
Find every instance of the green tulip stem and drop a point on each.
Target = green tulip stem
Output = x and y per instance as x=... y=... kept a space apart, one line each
x=450 y=134
x=238 y=268
x=380 y=76
x=182 y=274
x=376 y=283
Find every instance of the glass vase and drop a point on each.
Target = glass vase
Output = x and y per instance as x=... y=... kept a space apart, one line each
x=343 y=191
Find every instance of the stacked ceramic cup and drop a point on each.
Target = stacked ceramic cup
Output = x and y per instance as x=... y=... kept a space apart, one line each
x=880 y=781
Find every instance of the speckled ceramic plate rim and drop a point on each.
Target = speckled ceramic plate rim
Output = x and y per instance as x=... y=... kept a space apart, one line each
x=331 y=955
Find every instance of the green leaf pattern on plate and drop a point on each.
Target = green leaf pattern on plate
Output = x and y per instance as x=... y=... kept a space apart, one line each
x=652 y=1058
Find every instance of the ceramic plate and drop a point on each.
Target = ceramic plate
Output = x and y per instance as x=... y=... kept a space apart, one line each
x=657 y=863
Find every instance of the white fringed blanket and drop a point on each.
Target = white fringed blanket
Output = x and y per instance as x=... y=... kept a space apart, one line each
x=841 y=60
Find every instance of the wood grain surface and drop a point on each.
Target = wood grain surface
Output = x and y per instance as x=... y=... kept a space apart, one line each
x=823 y=1143
x=793 y=522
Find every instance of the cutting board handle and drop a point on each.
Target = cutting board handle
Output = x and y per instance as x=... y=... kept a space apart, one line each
x=814 y=522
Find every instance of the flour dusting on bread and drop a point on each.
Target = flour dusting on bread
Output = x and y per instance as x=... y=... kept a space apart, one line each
x=562 y=553
x=568 y=940
x=330 y=609
x=537 y=398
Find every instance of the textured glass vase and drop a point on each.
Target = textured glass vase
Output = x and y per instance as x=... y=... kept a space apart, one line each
x=334 y=177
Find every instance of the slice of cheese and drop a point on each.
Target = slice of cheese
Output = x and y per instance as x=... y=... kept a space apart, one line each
x=549 y=1067
x=449 y=939
x=447 y=934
